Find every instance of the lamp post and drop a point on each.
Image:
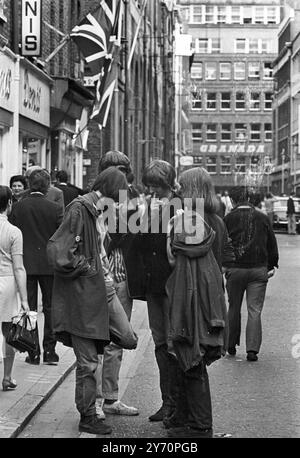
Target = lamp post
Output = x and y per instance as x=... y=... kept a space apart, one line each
x=282 y=171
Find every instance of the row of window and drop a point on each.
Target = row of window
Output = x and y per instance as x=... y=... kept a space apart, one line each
x=232 y=14
x=226 y=132
x=226 y=164
x=239 y=46
x=227 y=101
x=232 y=70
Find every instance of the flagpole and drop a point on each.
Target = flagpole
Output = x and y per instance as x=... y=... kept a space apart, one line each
x=136 y=34
x=116 y=117
x=126 y=111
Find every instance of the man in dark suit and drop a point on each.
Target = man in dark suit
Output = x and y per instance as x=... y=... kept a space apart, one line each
x=38 y=218
x=70 y=191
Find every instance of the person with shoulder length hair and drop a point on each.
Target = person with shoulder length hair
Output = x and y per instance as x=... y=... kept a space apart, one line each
x=18 y=185
x=159 y=178
x=12 y=281
x=198 y=249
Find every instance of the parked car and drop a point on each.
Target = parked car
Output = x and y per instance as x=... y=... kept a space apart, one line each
x=280 y=208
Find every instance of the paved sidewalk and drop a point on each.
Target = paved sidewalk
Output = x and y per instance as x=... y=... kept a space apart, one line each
x=37 y=383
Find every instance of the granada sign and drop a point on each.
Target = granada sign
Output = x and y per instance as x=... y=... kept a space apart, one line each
x=233 y=149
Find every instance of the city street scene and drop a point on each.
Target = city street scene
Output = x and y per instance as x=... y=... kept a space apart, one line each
x=149 y=222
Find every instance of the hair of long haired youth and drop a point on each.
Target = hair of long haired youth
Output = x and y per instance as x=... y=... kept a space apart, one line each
x=196 y=183
x=159 y=173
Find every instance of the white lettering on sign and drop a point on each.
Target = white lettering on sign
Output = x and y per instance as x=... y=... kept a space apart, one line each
x=5 y=84
x=232 y=149
x=32 y=96
x=31 y=27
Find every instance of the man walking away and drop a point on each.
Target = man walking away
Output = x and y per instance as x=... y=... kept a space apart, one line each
x=70 y=191
x=291 y=217
x=256 y=253
x=38 y=219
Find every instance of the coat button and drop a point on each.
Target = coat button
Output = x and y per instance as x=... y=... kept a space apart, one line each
x=154 y=253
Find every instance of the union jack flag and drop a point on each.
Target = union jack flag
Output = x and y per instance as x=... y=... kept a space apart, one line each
x=97 y=32
x=104 y=92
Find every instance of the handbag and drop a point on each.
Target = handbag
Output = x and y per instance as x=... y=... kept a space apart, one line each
x=22 y=338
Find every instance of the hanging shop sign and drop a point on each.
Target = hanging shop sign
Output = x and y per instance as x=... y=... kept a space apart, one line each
x=34 y=97
x=31 y=27
x=6 y=83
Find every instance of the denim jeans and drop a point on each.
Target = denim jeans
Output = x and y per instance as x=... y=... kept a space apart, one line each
x=110 y=363
x=86 y=364
x=158 y=313
x=254 y=282
x=292 y=226
x=46 y=285
x=193 y=401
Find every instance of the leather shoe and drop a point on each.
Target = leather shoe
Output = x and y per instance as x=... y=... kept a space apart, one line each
x=157 y=416
x=187 y=431
x=252 y=356
x=231 y=351
x=50 y=357
x=35 y=360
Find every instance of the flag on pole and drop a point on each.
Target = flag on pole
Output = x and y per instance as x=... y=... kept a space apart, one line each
x=97 y=32
x=104 y=92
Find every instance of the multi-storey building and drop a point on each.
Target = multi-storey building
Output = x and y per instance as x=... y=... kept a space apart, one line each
x=235 y=44
x=286 y=104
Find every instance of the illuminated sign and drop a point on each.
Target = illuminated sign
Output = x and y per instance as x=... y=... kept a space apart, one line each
x=31 y=27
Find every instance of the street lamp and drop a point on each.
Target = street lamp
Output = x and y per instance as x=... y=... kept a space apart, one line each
x=282 y=171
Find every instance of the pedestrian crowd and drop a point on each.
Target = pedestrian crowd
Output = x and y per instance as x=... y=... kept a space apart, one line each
x=178 y=246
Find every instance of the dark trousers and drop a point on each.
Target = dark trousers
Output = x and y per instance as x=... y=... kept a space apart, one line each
x=253 y=281
x=158 y=313
x=193 y=400
x=86 y=384
x=46 y=285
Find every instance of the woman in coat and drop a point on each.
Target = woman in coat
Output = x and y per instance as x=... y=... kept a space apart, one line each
x=198 y=247
x=12 y=281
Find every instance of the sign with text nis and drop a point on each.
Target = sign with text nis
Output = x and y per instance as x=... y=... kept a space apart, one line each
x=31 y=27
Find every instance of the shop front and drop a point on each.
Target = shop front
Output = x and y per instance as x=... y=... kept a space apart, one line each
x=7 y=115
x=34 y=116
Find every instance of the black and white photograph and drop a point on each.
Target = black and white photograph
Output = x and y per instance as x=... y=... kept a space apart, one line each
x=149 y=223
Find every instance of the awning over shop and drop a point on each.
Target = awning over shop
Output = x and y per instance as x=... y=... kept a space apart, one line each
x=33 y=128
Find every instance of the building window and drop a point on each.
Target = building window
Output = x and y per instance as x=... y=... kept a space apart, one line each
x=268 y=71
x=255 y=132
x=254 y=70
x=253 y=45
x=225 y=70
x=266 y=46
x=268 y=132
x=225 y=165
x=259 y=14
x=211 y=164
x=211 y=132
x=202 y=45
x=210 y=70
x=215 y=45
x=197 y=132
x=198 y=160
x=247 y=15
x=225 y=101
x=211 y=101
x=240 y=131
x=197 y=15
x=209 y=14
x=272 y=16
x=240 y=45
x=196 y=71
x=236 y=17
x=239 y=70
x=254 y=102
x=240 y=164
x=268 y=101
x=226 y=135
x=240 y=101
x=221 y=17
x=196 y=100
